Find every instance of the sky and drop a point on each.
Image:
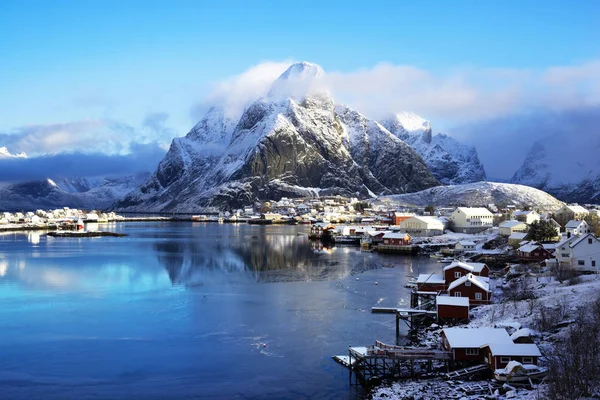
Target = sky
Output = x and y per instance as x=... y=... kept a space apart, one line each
x=108 y=78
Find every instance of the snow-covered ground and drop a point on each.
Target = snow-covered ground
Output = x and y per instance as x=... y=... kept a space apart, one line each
x=564 y=298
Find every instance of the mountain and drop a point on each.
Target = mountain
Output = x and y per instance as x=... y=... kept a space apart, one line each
x=449 y=161
x=4 y=153
x=295 y=142
x=564 y=166
x=478 y=194
x=83 y=193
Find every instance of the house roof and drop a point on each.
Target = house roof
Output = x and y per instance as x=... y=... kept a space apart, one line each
x=524 y=332
x=395 y=235
x=471 y=267
x=529 y=247
x=475 y=211
x=430 y=278
x=426 y=219
x=466 y=243
x=475 y=337
x=473 y=279
x=452 y=301
x=524 y=212
x=577 y=209
x=574 y=224
x=581 y=239
x=518 y=235
x=514 y=349
x=511 y=224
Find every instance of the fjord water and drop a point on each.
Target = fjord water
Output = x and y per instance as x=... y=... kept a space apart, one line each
x=189 y=310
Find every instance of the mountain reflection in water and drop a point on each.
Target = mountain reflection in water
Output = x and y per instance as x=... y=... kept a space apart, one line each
x=262 y=253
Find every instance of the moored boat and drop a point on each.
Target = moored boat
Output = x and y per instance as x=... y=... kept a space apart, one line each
x=516 y=372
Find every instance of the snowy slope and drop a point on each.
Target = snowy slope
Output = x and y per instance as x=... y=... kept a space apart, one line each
x=297 y=144
x=566 y=167
x=476 y=194
x=4 y=153
x=448 y=160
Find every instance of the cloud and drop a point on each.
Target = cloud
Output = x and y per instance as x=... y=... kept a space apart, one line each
x=143 y=157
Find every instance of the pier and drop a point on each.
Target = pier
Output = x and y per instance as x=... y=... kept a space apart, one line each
x=404 y=314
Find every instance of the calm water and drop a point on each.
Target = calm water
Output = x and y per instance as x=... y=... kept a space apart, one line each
x=182 y=310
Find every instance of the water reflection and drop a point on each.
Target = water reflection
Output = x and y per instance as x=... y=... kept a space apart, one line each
x=264 y=254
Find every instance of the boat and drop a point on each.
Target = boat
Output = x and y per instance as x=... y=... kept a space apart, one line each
x=446 y=260
x=411 y=283
x=517 y=372
x=436 y=255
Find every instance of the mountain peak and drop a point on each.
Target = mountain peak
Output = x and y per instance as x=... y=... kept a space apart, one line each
x=302 y=70
x=4 y=153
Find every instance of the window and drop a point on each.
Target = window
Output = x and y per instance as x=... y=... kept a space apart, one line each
x=457 y=274
x=467 y=283
x=565 y=255
x=527 y=360
x=457 y=294
x=478 y=296
x=504 y=360
x=472 y=352
x=589 y=240
x=593 y=263
x=580 y=262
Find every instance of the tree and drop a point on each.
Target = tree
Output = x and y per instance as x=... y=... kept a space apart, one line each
x=360 y=206
x=541 y=231
x=430 y=209
x=594 y=222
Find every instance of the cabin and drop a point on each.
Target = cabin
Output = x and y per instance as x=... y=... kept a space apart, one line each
x=422 y=226
x=476 y=288
x=458 y=269
x=533 y=251
x=507 y=228
x=581 y=252
x=576 y=228
x=452 y=308
x=498 y=355
x=466 y=343
x=464 y=245
x=522 y=336
x=471 y=219
x=396 y=239
x=432 y=283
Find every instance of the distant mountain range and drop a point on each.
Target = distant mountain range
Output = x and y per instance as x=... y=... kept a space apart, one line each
x=297 y=142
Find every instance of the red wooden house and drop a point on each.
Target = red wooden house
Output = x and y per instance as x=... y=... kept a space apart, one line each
x=498 y=355
x=533 y=251
x=466 y=344
x=476 y=288
x=458 y=269
x=452 y=308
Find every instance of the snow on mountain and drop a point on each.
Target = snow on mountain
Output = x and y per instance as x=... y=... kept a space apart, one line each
x=478 y=194
x=448 y=160
x=86 y=193
x=568 y=168
x=291 y=143
x=4 y=153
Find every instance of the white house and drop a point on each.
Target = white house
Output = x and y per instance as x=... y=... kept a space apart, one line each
x=422 y=226
x=471 y=219
x=576 y=228
x=464 y=245
x=526 y=216
x=507 y=228
x=581 y=252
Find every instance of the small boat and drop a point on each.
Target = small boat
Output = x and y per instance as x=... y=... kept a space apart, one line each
x=79 y=224
x=517 y=372
x=436 y=255
x=446 y=260
x=411 y=283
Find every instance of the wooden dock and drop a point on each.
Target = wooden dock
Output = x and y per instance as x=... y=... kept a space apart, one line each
x=466 y=373
x=383 y=360
x=403 y=314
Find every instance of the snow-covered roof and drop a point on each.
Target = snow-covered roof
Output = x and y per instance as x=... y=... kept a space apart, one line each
x=476 y=211
x=427 y=219
x=577 y=209
x=430 y=278
x=395 y=235
x=471 y=267
x=466 y=243
x=529 y=247
x=581 y=239
x=574 y=223
x=524 y=332
x=511 y=224
x=517 y=235
x=452 y=301
x=514 y=349
x=475 y=280
x=475 y=337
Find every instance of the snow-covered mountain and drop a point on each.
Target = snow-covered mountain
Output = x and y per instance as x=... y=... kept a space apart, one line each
x=478 y=194
x=450 y=161
x=98 y=193
x=295 y=142
x=4 y=153
x=565 y=166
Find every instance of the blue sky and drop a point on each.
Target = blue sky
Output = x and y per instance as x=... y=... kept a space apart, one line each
x=67 y=63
